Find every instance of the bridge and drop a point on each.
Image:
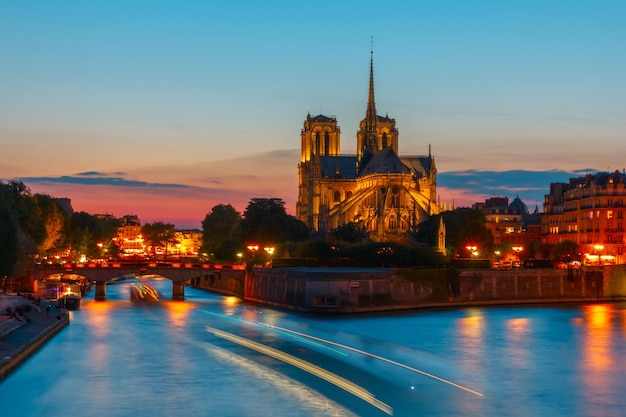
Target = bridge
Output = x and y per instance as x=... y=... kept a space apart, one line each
x=102 y=273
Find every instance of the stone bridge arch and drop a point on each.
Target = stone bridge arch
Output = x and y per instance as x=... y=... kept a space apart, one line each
x=179 y=274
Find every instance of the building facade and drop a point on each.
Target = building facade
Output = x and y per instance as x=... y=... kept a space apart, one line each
x=385 y=193
x=511 y=222
x=590 y=211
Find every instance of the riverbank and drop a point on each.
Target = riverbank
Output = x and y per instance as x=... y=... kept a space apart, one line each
x=23 y=336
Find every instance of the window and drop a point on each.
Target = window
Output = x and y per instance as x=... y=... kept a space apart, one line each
x=384 y=140
x=337 y=197
x=326 y=143
x=395 y=196
x=393 y=222
x=317 y=143
x=609 y=214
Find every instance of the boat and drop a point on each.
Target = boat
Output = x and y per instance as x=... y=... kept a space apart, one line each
x=142 y=292
x=65 y=290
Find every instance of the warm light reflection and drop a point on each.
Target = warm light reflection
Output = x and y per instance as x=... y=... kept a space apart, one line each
x=179 y=312
x=517 y=336
x=99 y=316
x=596 y=350
x=230 y=305
x=470 y=340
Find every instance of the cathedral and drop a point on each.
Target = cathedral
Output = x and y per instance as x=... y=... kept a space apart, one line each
x=384 y=192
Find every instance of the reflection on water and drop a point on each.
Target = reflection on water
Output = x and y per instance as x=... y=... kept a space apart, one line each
x=118 y=359
x=599 y=354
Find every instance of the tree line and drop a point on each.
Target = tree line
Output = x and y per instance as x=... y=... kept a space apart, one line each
x=33 y=226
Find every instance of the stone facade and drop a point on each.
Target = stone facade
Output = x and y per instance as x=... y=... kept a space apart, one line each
x=386 y=194
x=590 y=211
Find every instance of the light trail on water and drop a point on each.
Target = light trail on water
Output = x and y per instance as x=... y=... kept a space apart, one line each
x=313 y=369
x=372 y=355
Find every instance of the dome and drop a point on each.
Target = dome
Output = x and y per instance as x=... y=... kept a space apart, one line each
x=520 y=205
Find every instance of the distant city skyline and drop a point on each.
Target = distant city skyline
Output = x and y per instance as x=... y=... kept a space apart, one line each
x=163 y=110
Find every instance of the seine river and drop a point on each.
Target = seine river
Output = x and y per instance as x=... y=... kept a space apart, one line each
x=213 y=356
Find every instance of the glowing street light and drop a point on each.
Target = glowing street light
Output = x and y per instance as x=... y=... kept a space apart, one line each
x=269 y=250
x=473 y=250
x=598 y=248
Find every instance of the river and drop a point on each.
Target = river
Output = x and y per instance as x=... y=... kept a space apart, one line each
x=215 y=356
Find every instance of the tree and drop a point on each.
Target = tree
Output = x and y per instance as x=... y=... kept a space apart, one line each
x=87 y=230
x=566 y=251
x=9 y=251
x=464 y=226
x=265 y=221
x=55 y=222
x=159 y=234
x=350 y=232
x=220 y=231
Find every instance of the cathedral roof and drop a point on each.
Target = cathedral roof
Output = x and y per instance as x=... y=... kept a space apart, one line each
x=421 y=165
x=321 y=118
x=385 y=161
x=338 y=166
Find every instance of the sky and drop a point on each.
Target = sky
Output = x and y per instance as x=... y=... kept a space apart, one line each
x=164 y=109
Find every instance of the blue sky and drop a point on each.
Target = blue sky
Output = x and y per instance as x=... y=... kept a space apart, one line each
x=166 y=108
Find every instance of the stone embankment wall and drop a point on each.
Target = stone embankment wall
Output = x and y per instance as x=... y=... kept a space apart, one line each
x=225 y=281
x=363 y=290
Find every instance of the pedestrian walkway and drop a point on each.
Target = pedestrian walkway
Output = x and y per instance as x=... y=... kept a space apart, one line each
x=19 y=339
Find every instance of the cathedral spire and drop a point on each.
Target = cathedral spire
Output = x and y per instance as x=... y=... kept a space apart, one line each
x=370 y=140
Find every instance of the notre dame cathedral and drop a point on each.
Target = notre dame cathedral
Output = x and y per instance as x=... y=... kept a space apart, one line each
x=387 y=194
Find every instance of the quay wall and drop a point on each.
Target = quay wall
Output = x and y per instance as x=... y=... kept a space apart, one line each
x=225 y=281
x=365 y=290
x=25 y=348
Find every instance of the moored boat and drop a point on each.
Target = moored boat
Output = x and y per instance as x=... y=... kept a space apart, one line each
x=66 y=291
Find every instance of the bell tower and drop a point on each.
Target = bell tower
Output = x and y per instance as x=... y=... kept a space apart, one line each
x=320 y=137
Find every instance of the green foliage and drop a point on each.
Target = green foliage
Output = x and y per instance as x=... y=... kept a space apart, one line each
x=9 y=251
x=159 y=234
x=220 y=232
x=266 y=222
x=368 y=254
x=350 y=232
x=87 y=230
x=319 y=249
x=464 y=226
x=566 y=251
x=55 y=220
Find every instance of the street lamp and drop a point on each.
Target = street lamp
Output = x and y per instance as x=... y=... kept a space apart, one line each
x=472 y=250
x=518 y=250
x=598 y=249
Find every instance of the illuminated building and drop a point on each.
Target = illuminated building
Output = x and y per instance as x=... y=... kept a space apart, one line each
x=588 y=210
x=511 y=223
x=387 y=194
x=187 y=244
x=129 y=240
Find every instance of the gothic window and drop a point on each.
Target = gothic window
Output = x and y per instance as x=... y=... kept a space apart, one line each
x=393 y=222
x=384 y=140
x=348 y=194
x=317 y=143
x=337 y=197
x=395 y=196
x=326 y=143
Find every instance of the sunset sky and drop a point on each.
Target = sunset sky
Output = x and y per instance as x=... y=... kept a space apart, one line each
x=164 y=109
